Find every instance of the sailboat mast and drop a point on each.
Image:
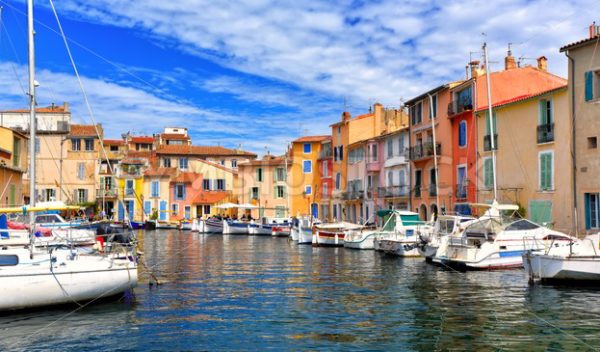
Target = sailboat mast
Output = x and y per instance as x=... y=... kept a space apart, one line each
x=32 y=124
x=435 y=160
x=490 y=119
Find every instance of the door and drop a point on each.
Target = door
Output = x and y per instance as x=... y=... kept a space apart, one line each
x=162 y=213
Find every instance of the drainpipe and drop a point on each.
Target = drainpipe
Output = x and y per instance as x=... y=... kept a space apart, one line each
x=573 y=144
x=435 y=163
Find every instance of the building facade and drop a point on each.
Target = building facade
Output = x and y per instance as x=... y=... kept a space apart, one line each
x=13 y=164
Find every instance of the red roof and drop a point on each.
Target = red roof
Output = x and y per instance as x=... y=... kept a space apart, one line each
x=48 y=109
x=516 y=84
x=186 y=177
x=267 y=160
x=113 y=142
x=210 y=197
x=142 y=139
x=201 y=150
x=139 y=154
x=579 y=43
x=161 y=172
x=85 y=130
x=306 y=139
x=218 y=166
x=177 y=136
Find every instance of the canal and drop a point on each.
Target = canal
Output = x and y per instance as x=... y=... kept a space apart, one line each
x=255 y=293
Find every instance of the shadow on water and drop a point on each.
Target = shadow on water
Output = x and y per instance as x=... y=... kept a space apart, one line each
x=245 y=293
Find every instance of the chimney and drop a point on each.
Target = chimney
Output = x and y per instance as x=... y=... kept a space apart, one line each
x=594 y=30
x=345 y=116
x=509 y=61
x=542 y=62
x=66 y=106
x=474 y=64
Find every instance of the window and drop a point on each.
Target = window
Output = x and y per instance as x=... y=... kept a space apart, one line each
x=461 y=177
x=592 y=142
x=114 y=148
x=488 y=173
x=167 y=162
x=220 y=184
x=546 y=166
x=592 y=202
x=401 y=178
x=81 y=195
x=434 y=104
x=280 y=174
x=462 y=134
x=183 y=163
x=223 y=162
x=81 y=171
x=233 y=163
x=325 y=190
x=206 y=185
x=259 y=174
x=592 y=87
x=279 y=191
x=174 y=209
x=546 y=116
x=206 y=209
x=390 y=178
x=187 y=212
x=37 y=146
x=488 y=130
x=521 y=225
x=76 y=144
x=334 y=211
x=179 y=191
x=307 y=166
x=355 y=155
x=307 y=148
x=155 y=189
x=307 y=190
x=325 y=168
x=464 y=99
x=390 y=148
x=373 y=152
x=339 y=132
x=89 y=145
x=400 y=144
x=128 y=187
x=338 y=153
x=338 y=180
x=254 y=193
x=416 y=113
x=48 y=194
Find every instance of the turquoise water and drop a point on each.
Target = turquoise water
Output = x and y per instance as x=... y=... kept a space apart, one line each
x=251 y=293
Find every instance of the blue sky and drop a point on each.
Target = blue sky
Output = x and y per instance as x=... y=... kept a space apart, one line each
x=259 y=74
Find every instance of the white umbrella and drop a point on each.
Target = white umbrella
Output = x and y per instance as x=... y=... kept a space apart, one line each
x=227 y=206
x=247 y=206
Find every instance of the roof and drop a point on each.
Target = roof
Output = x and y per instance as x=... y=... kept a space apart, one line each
x=133 y=161
x=201 y=150
x=306 y=139
x=180 y=136
x=113 y=142
x=139 y=154
x=160 y=172
x=267 y=160
x=580 y=43
x=48 y=109
x=210 y=197
x=186 y=177
x=142 y=139
x=218 y=166
x=515 y=85
x=527 y=97
x=432 y=91
x=85 y=130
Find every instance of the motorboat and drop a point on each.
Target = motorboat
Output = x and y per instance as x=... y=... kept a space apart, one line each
x=400 y=233
x=302 y=229
x=198 y=225
x=185 y=225
x=573 y=261
x=235 y=227
x=332 y=234
x=213 y=225
x=498 y=240
x=445 y=225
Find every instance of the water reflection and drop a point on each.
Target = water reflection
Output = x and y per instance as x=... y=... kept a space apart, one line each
x=244 y=292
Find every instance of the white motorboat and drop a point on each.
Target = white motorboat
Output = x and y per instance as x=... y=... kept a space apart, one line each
x=332 y=234
x=236 y=227
x=574 y=261
x=213 y=225
x=360 y=239
x=185 y=225
x=497 y=241
x=302 y=229
x=445 y=225
x=400 y=233
x=198 y=225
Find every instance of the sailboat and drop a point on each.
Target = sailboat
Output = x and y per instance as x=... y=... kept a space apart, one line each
x=35 y=276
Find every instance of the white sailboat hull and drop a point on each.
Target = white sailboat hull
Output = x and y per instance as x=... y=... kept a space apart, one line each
x=360 y=240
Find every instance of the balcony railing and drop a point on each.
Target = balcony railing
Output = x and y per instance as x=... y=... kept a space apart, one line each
x=461 y=191
x=545 y=133
x=456 y=107
x=432 y=190
x=106 y=193
x=393 y=191
x=353 y=195
x=487 y=142
x=424 y=150
x=417 y=191
x=324 y=154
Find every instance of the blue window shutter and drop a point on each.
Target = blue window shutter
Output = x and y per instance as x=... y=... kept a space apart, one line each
x=121 y=214
x=184 y=191
x=588 y=213
x=589 y=86
x=210 y=185
x=147 y=207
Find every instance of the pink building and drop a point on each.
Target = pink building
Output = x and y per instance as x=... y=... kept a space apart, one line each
x=184 y=189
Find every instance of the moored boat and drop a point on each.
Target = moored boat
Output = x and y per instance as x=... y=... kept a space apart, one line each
x=332 y=234
x=213 y=225
x=235 y=227
x=399 y=234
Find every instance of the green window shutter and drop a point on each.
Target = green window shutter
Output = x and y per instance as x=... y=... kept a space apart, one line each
x=543 y=112
x=588 y=213
x=488 y=173
x=546 y=171
x=589 y=86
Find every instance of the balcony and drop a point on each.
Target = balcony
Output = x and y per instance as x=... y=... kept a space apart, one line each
x=457 y=107
x=353 y=195
x=432 y=190
x=106 y=193
x=372 y=163
x=424 y=151
x=326 y=154
x=461 y=191
x=545 y=133
x=393 y=191
x=487 y=142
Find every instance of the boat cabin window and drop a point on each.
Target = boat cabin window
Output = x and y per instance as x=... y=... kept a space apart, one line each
x=46 y=219
x=9 y=260
x=556 y=238
x=446 y=226
x=521 y=225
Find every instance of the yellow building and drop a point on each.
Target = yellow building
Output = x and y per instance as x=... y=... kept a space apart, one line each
x=264 y=183
x=305 y=176
x=533 y=157
x=130 y=188
x=13 y=163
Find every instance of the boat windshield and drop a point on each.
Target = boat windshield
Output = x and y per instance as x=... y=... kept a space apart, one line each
x=446 y=225
x=522 y=225
x=389 y=223
x=411 y=220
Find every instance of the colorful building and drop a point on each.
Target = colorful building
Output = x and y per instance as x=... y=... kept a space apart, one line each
x=13 y=164
x=325 y=168
x=584 y=98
